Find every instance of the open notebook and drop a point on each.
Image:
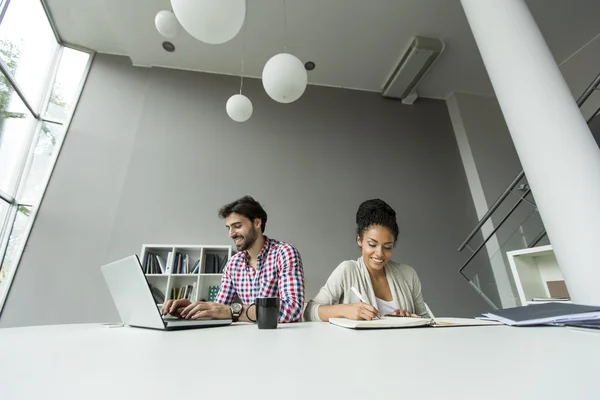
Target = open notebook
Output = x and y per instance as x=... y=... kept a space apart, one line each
x=408 y=322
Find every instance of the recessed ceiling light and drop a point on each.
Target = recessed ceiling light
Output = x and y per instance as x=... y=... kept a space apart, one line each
x=309 y=65
x=168 y=46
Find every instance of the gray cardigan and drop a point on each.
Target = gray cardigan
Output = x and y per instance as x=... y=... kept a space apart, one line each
x=403 y=280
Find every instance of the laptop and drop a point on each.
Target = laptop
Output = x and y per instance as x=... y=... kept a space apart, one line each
x=133 y=298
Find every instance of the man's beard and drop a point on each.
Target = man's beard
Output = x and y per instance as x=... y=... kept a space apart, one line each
x=248 y=240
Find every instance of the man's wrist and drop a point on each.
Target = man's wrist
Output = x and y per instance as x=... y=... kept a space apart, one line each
x=236 y=310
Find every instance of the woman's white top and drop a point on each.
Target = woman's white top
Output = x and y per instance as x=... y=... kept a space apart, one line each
x=384 y=307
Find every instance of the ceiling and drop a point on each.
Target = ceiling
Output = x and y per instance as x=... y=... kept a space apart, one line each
x=354 y=43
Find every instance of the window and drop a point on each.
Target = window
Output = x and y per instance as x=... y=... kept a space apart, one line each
x=40 y=82
x=28 y=47
x=16 y=127
x=15 y=239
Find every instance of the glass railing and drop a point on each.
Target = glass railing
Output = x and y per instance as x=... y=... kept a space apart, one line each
x=513 y=225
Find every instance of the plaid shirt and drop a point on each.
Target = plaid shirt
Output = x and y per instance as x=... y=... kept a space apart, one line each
x=279 y=274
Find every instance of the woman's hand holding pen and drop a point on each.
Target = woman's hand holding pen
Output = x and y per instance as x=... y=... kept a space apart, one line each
x=360 y=311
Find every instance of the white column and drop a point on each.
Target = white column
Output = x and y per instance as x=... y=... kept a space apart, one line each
x=557 y=150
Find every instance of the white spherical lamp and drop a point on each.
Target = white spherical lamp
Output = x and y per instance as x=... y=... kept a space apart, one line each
x=239 y=108
x=284 y=78
x=210 y=21
x=166 y=24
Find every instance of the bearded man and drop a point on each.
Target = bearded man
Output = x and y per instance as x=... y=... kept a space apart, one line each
x=263 y=267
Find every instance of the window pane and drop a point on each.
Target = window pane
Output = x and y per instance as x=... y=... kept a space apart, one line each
x=70 y=71
x=47 y=141
x=16 y=128
x=27 y=47
x=4 y=207
x=17 y=236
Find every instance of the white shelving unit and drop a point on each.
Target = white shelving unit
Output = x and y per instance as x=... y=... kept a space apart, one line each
x=168 y=283
x=532 y=269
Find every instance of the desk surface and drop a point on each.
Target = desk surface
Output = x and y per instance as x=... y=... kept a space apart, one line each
x=305 y=360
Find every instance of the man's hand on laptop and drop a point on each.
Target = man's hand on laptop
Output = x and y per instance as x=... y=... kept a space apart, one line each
x=175 y=307
x=183 y=308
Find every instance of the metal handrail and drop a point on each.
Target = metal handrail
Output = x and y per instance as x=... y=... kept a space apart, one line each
x=584 y=96
x=537 y=239
x=495 y=229
x=493 y=208
x=588 y=92
x=593 y=116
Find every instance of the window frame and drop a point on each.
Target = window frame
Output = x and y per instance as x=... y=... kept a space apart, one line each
x=7 y=226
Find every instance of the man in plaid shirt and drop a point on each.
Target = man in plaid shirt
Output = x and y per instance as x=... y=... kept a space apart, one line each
x=263 y=267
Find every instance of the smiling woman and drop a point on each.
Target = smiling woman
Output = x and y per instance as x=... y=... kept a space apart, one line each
x=373 y=285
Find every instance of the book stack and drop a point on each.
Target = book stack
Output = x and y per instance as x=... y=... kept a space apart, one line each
x=184 y=292
x=154 y=264
x=182 y=264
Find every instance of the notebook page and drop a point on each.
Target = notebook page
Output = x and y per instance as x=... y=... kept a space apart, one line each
x=384 y=322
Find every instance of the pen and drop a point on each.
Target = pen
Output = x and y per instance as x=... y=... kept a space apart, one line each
x=357 y=293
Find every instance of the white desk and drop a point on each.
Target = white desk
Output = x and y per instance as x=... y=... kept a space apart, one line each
x=306 y=360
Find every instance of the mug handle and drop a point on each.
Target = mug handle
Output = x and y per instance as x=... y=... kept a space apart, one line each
x=248 y=309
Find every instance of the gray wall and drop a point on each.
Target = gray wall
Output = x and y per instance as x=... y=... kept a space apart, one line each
x=492 y=147
x=151 y=155
x=497 y=162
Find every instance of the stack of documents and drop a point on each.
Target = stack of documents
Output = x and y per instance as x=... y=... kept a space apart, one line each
x=545 y=314
x=588 y=324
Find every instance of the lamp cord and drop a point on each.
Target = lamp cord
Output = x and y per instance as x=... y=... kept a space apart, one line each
x=243 y=46
x=284 y=27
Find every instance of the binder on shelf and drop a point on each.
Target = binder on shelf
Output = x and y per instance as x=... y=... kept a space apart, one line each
x=213 y=263
x=147 y=263
x=196 y=267
x=154 y=264
x=209 y=264
x=222 y=265
x=161 y=263
x=180 y=263
x=185 y=268
x=169 y=267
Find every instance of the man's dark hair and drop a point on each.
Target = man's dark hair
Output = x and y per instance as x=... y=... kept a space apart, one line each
x=247 y=207
x=376 y=212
